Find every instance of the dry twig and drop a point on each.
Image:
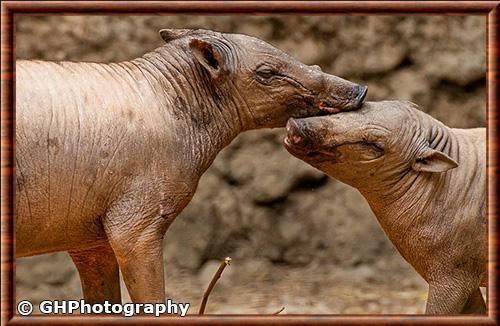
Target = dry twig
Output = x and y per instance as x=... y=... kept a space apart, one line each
x=279 y=311
x=210 y=287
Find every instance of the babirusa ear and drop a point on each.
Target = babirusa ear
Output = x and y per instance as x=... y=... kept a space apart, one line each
x=208 y=56
x=433 y=161
x=172 y=33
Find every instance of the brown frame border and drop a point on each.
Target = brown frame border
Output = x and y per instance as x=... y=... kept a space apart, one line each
x=10 y=8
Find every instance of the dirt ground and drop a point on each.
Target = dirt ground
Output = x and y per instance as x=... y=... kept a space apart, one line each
x=298 y=239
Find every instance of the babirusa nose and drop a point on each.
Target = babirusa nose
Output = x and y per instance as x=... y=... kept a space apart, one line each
x=356 y=98
x=359 y=95
x=295 y=132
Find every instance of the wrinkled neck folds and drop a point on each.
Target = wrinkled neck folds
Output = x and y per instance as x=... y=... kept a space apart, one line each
x=402 y=190
x=205 y=116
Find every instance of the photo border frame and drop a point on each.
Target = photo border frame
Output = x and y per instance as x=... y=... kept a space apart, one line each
x=9 y=10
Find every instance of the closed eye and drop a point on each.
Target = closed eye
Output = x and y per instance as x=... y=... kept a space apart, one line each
x=359 y=151
x=265 y=72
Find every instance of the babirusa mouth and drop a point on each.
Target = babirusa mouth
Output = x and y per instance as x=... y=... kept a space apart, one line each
x=328 y=107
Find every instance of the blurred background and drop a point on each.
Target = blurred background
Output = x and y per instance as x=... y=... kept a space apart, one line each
x=298 y=239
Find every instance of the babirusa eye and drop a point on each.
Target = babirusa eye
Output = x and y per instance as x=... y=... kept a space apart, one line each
x=265 y=72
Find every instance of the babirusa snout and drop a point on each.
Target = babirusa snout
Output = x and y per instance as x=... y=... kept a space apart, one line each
x=359 y=96
x=297 y=135
x=342 y=95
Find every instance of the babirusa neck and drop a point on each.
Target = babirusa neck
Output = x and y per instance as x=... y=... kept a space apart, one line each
x=403 y=193
x=205 y=117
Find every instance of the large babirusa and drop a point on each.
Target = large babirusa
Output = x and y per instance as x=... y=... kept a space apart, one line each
x=107 y=155
x=425 y=182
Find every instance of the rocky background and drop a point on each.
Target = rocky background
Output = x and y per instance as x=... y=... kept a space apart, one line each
x=297 y=238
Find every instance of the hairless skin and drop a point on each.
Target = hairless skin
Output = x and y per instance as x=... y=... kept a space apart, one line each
x=107 y=155
x=425 y=182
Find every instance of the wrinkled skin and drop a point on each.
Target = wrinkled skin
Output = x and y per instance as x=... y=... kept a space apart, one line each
x=425 y=182
x=107 y=155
